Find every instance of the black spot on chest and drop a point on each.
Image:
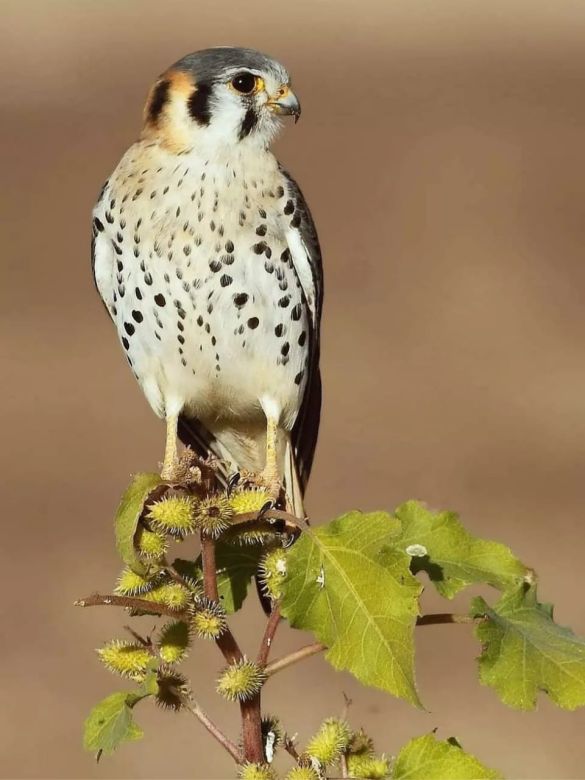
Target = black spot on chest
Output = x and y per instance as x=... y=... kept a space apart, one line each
x=198 y=104
x=240 y=299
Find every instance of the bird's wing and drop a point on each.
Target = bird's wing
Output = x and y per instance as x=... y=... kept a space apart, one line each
x=102 y=263
x=306 y=254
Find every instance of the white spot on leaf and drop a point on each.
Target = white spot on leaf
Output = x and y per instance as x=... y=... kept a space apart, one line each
x=416 y=550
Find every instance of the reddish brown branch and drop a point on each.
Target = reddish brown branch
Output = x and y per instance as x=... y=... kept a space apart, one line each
x=318 y=647
x=273 y=521
x=269 y=633
x=290 y=748
x=290 y=522
x=131 y=602
x=251 y=713
x=226 y=642
x=293 y=658
x=250 y=710
x=215 y=732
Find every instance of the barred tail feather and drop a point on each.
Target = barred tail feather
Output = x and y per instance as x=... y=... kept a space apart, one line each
x=292 y=484
x=196 y=436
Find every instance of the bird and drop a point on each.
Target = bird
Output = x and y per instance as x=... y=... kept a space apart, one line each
x=207 y=259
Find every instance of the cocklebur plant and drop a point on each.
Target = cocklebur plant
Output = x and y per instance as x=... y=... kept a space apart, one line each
x=354 y=582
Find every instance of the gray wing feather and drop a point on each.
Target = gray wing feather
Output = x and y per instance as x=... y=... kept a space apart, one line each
x=306 y=429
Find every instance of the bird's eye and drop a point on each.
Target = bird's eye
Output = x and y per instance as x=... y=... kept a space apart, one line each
x=245 y=83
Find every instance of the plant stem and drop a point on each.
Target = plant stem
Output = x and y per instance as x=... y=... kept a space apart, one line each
x=290 y=748
x=290 y=522
x=269 y=633
x=130 y=602
x=293 y=658
x=174 y=575
x=443 y=617
x=251 y=713
x=250 y=710
x=226 y=642
x=318 y=647
x=196 y=710
x=272 y=521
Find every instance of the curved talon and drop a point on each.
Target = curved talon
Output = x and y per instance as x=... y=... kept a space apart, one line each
x=266 y=508
x=233 y=481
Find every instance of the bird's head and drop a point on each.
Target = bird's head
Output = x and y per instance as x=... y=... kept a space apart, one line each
x=224 y=96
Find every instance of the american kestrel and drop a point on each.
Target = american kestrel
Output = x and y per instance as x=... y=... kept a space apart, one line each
x=207 y=259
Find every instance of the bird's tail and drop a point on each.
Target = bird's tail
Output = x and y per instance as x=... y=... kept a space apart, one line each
x=195 y=435
x=292 y=484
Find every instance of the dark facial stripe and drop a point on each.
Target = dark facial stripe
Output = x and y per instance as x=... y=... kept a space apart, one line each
x=158 y=100
x=248 y=123
x=198 y=104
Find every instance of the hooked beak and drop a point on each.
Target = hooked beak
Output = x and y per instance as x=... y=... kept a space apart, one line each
x=285 y=103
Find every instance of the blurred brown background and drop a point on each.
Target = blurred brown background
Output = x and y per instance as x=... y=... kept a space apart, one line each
x=441 y=149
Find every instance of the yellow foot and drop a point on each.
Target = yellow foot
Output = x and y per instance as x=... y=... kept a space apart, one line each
x=171 y=463
x=172 y=471
x=263 y=481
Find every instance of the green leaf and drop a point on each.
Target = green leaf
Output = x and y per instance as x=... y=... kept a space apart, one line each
x=110 y=723
x=128 y=515
x=427 y=758
x=235 y=568
x=450 y=555
x=236 y=565
x=148 y=686
x=358 y=597
x=525 y=651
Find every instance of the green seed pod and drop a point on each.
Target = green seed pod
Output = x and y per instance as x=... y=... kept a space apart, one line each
x=132 y=584
x=330 y=741
x=128 y=659
x=302 y=773
x=173 y=515
x=214 y=514
x=173 y=642
x=257 y=772
x=360 y=743
x=248 y=500
x=367 y=766
x=240 y=681
x=151 y=545
x=173 y=689
x=172 y=594
x=273 y=573
x=209 y=621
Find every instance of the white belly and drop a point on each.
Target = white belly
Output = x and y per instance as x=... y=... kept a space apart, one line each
x=200 y=283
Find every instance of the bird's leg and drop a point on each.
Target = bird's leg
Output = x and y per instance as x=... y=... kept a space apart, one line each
x=270 y=474
x=170 y=461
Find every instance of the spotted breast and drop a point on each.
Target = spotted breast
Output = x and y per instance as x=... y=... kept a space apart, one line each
x=194 y=264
